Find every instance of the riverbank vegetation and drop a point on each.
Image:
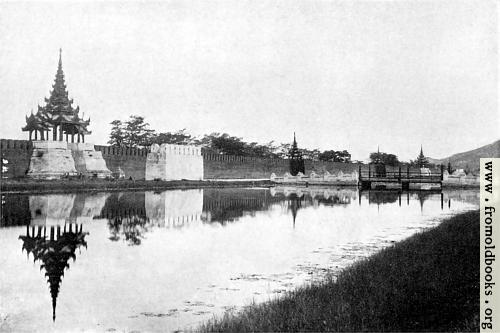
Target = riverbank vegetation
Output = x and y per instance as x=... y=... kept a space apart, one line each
x=428 y=282
x=90 y=184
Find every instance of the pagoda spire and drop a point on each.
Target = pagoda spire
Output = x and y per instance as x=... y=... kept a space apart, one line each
x=296 y=159
x=58 y=114
x=422 y=161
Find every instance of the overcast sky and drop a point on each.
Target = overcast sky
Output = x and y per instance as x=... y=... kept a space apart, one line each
x=342 y=74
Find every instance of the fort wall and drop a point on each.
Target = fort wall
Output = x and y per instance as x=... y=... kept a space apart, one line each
x=131 y=162
x=17 y=154
x=171 y=162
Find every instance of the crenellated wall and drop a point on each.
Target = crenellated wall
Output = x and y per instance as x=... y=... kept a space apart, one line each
x=131 y=162
x=228 y=167
x=17 y=153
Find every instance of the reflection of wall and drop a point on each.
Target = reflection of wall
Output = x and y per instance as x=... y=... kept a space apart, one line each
x=57 y=209
x=87 y=206
x=174 y=208
x=51 y=209
x=222 y=205
x=323 y=194
x=469 y=196
x=15 y=210
x=124 y=204
x=383 y=197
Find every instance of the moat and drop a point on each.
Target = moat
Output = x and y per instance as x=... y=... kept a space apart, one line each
x=168 y=260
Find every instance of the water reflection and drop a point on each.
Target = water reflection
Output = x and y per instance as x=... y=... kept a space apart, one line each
x=226 y=242
x=56 y=209
x=15 y=210
x=53 y=252
x=133 y=213
x=174 y=209
x=126 y=216
x=228 y=205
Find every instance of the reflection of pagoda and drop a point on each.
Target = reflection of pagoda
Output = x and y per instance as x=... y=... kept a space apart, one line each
x=294 y=204
x=54 y=252
x=57 y=115
x=423 y=196
x=296 y=159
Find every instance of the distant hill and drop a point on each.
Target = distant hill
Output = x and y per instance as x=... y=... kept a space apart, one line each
x=470 y=159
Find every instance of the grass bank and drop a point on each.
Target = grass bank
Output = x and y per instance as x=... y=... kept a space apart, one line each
x=71 y=185
x=428 y=282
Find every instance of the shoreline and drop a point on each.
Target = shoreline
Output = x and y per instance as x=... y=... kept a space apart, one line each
x=24 y=185
x=427 y=282
x=99 y=185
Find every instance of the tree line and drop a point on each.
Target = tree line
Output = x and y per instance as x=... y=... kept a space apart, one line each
x=136 y=132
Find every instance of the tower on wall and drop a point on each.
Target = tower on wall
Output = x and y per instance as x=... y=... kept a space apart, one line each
x=58 y=116
x=296 y=159
x=174 y=162
x=66 y=154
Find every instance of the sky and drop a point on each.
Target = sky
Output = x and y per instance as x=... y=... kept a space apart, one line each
x=352 y=75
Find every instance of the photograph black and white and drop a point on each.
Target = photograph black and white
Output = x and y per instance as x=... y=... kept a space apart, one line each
x=246 y=166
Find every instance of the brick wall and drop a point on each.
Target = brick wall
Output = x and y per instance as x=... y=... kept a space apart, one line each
x=132 y=161
x=17 y=153
x=228 y=167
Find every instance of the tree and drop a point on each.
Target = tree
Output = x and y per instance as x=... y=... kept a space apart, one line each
x=449 y=168
x=226 y=144
x=388 y=159
x=282 y=150
x=137 y=132
x=117 y=135
x=309 y=154
x=178 y=138
x=335 y=156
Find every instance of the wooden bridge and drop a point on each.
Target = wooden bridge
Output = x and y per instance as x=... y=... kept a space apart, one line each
x=377 y=177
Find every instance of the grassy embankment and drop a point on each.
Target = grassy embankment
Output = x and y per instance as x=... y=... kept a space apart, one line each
x=428 y=282
x=70 y=185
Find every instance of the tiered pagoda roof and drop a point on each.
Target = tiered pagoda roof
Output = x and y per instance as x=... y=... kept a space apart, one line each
x=58 y=110
x=37 y=122
x=294 y=152
x=296 y=159
x=422 y=161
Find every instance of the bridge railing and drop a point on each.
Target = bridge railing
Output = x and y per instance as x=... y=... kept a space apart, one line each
x=400 y=175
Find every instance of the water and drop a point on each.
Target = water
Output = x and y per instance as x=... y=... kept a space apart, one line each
x=162 y=261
